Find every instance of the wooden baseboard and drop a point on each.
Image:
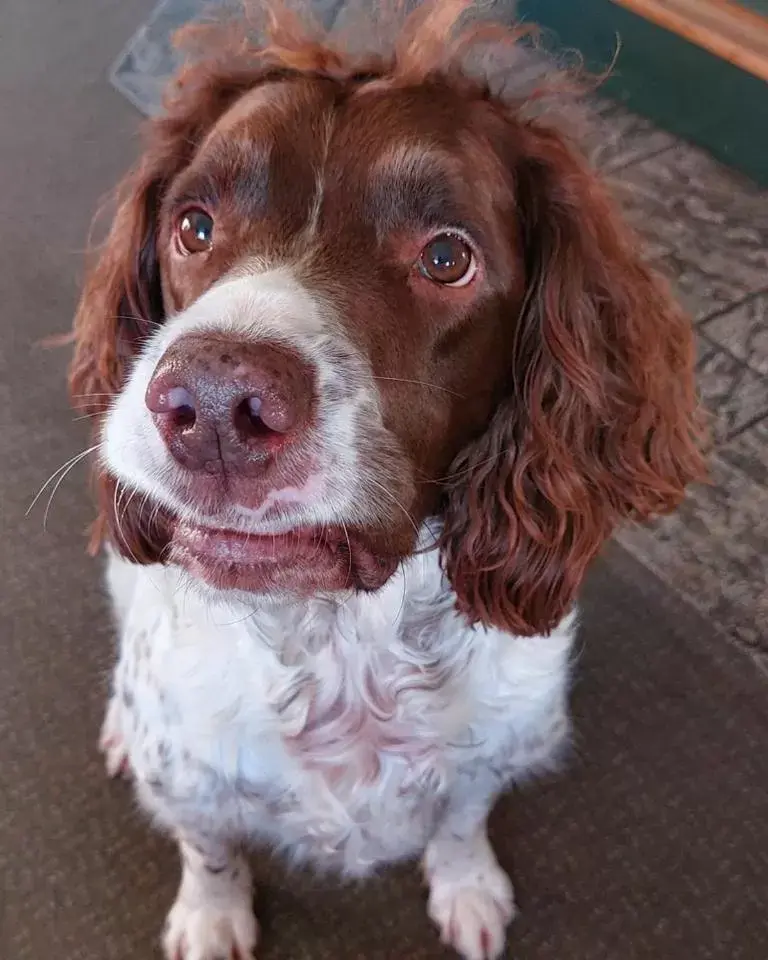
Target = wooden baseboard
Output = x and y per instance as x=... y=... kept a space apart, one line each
x=726 y=29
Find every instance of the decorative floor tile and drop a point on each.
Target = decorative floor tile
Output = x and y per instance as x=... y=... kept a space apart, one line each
x=619 y=138
x=706 y=226
x=735 y=394
x=744 y=332
x=749 y=453
x=714 y=550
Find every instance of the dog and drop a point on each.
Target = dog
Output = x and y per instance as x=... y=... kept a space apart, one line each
x=377 y=368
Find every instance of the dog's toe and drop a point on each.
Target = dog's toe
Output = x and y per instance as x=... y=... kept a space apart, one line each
x=473 y=918
x=210 y=932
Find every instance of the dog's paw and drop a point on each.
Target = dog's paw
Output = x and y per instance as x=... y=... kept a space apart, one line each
x=111 y=742
x=473 y=915
x=210 y=931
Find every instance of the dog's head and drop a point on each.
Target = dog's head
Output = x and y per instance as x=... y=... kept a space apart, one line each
x=341 y=297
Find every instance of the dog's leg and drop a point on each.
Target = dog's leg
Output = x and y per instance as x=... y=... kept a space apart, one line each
x=470 y=897
x=212 y=918
x=121 y=578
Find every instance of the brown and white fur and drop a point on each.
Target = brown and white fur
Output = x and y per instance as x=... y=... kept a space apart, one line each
x=349 y=493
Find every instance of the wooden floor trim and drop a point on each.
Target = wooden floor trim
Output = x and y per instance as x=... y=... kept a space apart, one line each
x=724 y=28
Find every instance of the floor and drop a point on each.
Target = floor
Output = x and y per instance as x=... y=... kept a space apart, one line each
x=707 y=228
x=650 y=844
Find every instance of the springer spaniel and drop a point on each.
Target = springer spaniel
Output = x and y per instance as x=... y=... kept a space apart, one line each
x=377 y=369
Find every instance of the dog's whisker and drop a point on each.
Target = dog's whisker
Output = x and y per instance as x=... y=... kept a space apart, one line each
x=89 y=416
x=121 y=513
x=63 y=475
x=132 y=319
x=116 y=497
x=390 y=496
x=349 y=548
x=423 y=383
x=63 y=470
x=459 y=474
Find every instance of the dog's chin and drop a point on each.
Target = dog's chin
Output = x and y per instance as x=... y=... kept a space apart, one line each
x=299 y=563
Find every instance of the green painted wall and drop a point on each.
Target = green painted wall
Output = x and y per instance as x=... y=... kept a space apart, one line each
x=759 y=6
x=673 y=82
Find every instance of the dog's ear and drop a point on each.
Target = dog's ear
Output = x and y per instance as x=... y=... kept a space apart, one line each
x=121 y=303
x=600 y=422
x=122 y=299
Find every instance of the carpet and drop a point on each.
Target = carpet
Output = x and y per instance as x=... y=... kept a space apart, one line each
x=650 y=846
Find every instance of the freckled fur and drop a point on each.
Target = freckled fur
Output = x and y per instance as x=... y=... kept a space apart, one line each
x=337 y=730
x=477 y=444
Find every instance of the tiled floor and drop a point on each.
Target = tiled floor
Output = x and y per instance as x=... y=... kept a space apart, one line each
x=707 y=228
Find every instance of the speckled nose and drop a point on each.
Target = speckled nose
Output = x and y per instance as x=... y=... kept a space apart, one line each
x=217 y=399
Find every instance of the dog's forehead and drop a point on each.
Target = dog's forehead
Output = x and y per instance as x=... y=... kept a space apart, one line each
x=295 y=164
x=270 y=108
x=373 y=128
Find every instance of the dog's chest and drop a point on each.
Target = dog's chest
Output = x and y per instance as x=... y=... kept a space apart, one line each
x=333 y=731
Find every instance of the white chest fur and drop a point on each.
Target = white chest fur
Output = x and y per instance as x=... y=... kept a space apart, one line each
x=336 y=730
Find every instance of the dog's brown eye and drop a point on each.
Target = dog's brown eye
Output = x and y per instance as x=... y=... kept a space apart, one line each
x=448 y=259
x=195 y=231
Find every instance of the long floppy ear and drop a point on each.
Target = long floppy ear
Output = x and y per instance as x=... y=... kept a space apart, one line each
x=600 y=422
x=121 y=302
x=122 y=299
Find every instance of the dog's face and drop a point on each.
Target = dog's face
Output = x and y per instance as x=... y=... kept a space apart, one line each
x=338 y=297
x=335 y=305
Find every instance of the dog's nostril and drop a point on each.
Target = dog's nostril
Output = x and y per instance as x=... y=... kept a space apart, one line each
x=249 y=420
x=253 y=405
x=181 y=405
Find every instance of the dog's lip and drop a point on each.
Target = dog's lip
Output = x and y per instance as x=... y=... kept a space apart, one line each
x=221 y=545
x=303 y=560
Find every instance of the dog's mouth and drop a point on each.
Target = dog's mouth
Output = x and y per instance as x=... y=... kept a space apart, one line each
x=301 y=561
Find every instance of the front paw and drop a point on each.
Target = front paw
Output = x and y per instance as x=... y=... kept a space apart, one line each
x=473 y=913
x=210 y=932
x=111 y=743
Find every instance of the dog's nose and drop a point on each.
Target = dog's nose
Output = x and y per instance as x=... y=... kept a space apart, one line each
x=216 y=400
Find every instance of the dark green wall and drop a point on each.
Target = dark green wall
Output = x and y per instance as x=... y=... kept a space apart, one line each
x=673 y=82
x=758 y=6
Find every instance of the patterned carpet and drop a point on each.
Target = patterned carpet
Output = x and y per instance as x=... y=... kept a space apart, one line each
x=708 y=229
x=650 y=845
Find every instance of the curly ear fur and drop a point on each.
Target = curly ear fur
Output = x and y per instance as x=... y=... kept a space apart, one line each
x=122 y=298
x=600 y=419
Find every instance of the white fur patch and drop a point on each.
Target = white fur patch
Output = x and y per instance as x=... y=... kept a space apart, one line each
x=268 y=304
x=335 y=729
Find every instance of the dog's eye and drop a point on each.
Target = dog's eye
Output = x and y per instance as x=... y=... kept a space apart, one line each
x=194 y=231
x=448 y=259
